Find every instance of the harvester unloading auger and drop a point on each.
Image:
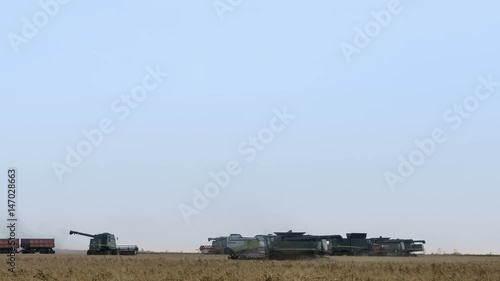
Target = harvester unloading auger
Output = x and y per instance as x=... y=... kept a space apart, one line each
x=105 y=244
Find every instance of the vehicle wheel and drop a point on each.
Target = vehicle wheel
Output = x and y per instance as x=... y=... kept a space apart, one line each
x=307 y=256
x=344 y=253
x=276 y=256
x=364 y=253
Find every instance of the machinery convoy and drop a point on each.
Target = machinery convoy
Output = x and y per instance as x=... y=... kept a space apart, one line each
x=280 y=246
x=356 y=244
x=105 y=244
x=28 y=246
x=277 y=246
x=100 y=244
x=291 y=245
x=401 y=247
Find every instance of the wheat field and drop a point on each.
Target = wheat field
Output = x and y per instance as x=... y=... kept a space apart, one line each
x=204 y=267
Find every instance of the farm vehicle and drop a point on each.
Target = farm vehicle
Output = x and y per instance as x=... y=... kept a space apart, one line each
x=288 y=245
x=280 y=246
x=105 y=244
x=384 y=246
x=42 y=246
x=356 y=244
x=228 y=245
x=28 y=246
x=291 y=245
x=218 y=246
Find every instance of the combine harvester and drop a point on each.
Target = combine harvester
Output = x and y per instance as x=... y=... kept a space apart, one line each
x=356 y=244
x=384 y=246
x=280 y=246
x=217 y=247
x=105 y=244
x=287 y=245
x=220 y=244
x=297 y=245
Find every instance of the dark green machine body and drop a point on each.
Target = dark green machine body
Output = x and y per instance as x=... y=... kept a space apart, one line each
x=355 y=244
x=290 y=245
x=100 y=244
x=281 y=246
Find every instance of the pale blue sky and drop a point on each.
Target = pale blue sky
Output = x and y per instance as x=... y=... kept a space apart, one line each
x=323 y=174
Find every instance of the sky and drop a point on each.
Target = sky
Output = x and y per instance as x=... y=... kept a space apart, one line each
x=168 y=122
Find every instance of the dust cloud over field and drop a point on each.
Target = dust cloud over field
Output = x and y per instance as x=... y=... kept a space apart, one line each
x=203 y=267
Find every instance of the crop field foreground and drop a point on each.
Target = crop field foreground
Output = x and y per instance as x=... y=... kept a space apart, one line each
x=205 y=267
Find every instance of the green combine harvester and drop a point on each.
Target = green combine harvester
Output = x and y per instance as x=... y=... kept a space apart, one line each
x=385 y=246
x=280 y=246
x=356 y=244
x=105 y=244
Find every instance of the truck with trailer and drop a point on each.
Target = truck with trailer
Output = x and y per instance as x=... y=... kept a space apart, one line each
x=28 y=245
x=37 y=245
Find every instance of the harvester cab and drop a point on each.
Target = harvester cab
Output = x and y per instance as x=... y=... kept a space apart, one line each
x=103 y=242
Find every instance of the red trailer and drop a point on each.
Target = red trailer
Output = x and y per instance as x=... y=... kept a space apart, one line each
x=33 y=245
x=6 y=245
